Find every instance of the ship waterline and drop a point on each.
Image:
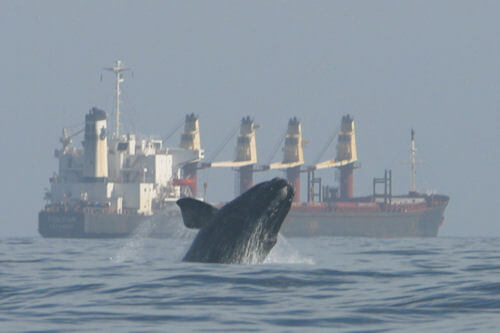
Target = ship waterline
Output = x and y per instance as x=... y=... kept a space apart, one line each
x=302 y=221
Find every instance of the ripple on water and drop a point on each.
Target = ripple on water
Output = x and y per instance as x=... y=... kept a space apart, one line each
x=343 y=284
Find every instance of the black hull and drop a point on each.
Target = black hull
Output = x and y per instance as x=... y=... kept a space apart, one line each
x=61 y=224
x=311 y=223
x=379 y=225
x=69 y=224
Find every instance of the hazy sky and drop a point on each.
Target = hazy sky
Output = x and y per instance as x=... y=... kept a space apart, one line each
x=393 y=65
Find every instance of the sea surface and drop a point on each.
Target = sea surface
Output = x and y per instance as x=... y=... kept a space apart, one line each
x=140 y=284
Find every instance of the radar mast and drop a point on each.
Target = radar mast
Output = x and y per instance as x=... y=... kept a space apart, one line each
x=117 y=69
x=413 y=162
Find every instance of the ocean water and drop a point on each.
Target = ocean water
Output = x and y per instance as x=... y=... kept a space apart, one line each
x=139 y=284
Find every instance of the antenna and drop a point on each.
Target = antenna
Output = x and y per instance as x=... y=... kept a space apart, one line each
x=413 y=162
x=117 y=69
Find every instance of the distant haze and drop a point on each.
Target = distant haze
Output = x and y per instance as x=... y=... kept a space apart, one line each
x=392 y=65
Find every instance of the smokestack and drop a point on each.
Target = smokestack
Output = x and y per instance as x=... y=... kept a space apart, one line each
x=95 y=167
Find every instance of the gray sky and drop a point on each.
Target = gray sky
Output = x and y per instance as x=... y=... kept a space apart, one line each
x=393 y=65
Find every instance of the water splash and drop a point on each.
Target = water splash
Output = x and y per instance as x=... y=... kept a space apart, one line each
x=285 y=253
x=177 y=230
x=135 y=244
x=252 y=253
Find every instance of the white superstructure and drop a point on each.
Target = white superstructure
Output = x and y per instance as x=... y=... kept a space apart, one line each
x=117 y=173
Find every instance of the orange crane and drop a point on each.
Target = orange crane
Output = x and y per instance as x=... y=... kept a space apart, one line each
x=346 y=159
x=293 y=157
x=246 y=155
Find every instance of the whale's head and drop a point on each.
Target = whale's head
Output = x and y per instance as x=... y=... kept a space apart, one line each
x=266 y=204
x=244 y=230
x=256 y=217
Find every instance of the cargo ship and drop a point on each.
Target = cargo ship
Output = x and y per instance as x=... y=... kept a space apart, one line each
x=117 y=182
x=334 y=210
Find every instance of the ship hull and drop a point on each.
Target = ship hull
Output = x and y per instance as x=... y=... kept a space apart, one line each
x=364 y=224
x=88 y=225
x=299 y=223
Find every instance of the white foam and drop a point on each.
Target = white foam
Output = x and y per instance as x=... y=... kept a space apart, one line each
x=135 y=244
x=284 y=253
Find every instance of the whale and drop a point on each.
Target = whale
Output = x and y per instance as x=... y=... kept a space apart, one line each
x=241 y=232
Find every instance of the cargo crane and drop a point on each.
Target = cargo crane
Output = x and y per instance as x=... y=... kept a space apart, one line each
x=345 y=160
x=293 y=157
x=66 y=139
x=246 y=155
x=114 y=183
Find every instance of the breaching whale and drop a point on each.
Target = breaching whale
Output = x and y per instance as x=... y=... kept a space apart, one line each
x=244 y=230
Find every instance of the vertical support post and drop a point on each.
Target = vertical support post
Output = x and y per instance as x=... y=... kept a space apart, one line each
x=293 y=177
x=309 y=186
x=246 y=178
x=390 y=186
x=347 y=181
x=387 y=187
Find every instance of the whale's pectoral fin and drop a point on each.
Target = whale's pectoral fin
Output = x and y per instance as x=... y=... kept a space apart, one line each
x=195 y=213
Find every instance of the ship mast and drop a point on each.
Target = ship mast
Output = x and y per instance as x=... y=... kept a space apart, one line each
x=413 y=162
x=117 y=69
